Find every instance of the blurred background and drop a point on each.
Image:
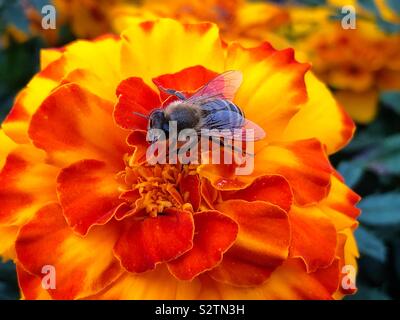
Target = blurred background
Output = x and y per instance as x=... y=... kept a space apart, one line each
x=359 y=59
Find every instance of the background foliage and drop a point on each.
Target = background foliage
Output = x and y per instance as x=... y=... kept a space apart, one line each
x=370 y=164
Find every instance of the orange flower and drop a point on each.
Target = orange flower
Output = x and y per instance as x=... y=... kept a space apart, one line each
x=87 y=18
x=359 y=63
x=77 y=195
x=239 y=20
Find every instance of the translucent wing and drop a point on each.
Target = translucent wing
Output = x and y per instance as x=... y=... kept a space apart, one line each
x=232 y=125
x=242 y=134
x=256 y=130
x=223 y=86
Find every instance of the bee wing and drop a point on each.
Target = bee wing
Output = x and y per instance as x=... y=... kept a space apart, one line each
x=239 y=135
x=223 y=86
x=259 y=132
x=232 y=125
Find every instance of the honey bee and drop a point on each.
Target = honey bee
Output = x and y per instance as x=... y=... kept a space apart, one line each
x=210 y=107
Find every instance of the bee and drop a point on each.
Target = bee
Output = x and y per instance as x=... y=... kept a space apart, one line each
x=210 y=107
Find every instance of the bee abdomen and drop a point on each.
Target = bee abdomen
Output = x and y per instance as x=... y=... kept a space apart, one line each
x=222 y=114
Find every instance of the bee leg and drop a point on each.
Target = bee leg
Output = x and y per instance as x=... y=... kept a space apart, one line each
x=175 y=93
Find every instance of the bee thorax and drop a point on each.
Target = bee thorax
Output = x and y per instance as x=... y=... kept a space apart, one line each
x=187 y=116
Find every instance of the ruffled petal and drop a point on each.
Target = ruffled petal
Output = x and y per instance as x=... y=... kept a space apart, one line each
x=31 y=285
x=302 y=163
x=262 y=243
x=98 y=56
x=310 y=226
x=267 y=74
x=179 y=45
x=340 y=205
x=190 y=190
x=137 y=140
x=26 y=184
x=188 y=80
x=7 y=145
x=88 y=194
x=29 y=99
x=73 y=124
x=134 y=96
x=272 y=189
x=83 y=266
x=8 y=235
x=288 y=282
x=145 y=243
x=99 y=60
x=214 y=234
x=49 y=55
x=321 y=117
x=152 y=285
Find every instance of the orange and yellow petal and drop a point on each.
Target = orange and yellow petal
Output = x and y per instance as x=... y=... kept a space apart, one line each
x=190 y=189
x=147 y=242
x=88 y=194
x=152 y=285
x=94 y=61
x=340 y=205
x=214 y=235
x=262 y=243
x=83 y=266
x=290 y=281
x=7 y=145
x=26 y=184
x=267 y=73
x=313 y=237
x=73 y=124
x=272 y=189
x=30 y=285
x=8 y=236
x=29 y=99
x=134 y=96
x=322 y=118
x=179 y=45
x=302 y=163
x=186 y=81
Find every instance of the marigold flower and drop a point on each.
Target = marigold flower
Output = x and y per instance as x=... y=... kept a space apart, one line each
x=240 y=20
x=77 y=194
x=87 y=18
x=358 y=63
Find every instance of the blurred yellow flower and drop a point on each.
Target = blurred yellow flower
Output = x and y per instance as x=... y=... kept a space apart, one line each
x=358 y=63
x=87 y=18
x=244 y=21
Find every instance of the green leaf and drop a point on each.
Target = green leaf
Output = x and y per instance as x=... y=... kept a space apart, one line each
x=369 y=5
x=365 y=292
x=381 y=210
x=8 y=282
x=385 y=158
x=351 y=171
x=371 y=245
x=394 y=5
x=392 y=100
x=368 y=137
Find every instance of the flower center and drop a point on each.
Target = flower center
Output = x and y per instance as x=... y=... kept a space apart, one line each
x=156 y=187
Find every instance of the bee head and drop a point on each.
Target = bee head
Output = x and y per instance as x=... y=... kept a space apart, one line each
x=157 y=120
